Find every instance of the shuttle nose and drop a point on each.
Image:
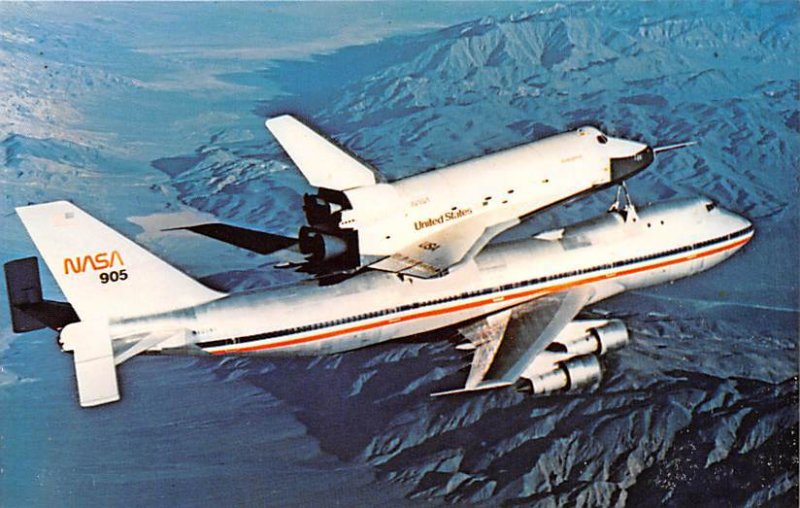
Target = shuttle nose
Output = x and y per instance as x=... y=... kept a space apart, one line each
x=626 y=167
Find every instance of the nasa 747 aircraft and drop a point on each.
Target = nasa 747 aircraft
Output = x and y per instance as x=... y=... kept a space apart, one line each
x=427 y=224
x=516 y=303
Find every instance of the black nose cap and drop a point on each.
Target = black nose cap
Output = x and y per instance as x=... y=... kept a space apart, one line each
x=626 y=167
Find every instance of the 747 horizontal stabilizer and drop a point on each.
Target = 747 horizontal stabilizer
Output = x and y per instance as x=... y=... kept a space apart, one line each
x=259 y=242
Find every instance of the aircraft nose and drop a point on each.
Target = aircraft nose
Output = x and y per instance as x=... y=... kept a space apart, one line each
x=626 y=167
x=731 y=222
x=737 y=222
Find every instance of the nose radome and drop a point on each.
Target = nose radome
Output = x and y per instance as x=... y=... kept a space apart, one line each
x=728 y=222
x=737 y=222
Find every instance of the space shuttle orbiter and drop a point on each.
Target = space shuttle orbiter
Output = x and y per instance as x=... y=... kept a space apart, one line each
x=427 y=224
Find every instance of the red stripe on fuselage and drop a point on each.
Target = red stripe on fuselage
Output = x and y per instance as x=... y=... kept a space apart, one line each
x=480 y=303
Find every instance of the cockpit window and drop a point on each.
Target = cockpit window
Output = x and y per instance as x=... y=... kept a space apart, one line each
x=602 y=139
x=710 y=205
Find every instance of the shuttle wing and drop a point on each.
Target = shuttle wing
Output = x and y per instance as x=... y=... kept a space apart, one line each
x=508 y=341
x=323 y=163
x=440 y=252
x=433 y=256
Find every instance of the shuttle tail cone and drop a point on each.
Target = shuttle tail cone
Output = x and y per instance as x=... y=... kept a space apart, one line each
x=29 y=310
x=320 y=246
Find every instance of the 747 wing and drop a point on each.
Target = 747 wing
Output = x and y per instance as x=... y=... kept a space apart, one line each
x=538 y=346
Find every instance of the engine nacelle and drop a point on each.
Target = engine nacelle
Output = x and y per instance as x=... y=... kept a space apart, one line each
x=612 y=336
x=582 y=371
x=600 y=339
x=571 y=374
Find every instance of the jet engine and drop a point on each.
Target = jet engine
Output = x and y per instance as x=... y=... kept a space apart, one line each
x=577 y=372
x=572 y=360
x=611 y=337
x=598 y=339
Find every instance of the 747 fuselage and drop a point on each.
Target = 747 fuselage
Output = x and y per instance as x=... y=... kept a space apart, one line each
x=609 y=254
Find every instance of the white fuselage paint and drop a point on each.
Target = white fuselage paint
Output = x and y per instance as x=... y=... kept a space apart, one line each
x=507 y=184
x=667 y=241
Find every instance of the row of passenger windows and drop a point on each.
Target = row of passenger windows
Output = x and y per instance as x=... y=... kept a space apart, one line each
x=469 y=294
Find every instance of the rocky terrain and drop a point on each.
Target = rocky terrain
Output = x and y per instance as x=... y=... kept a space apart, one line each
x=701 y=408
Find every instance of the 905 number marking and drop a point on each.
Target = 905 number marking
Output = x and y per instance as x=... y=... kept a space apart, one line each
x=113 y=276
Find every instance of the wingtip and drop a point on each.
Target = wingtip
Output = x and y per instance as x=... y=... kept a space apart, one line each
x=273 y=121
x=50 y=207
x=480 y=388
